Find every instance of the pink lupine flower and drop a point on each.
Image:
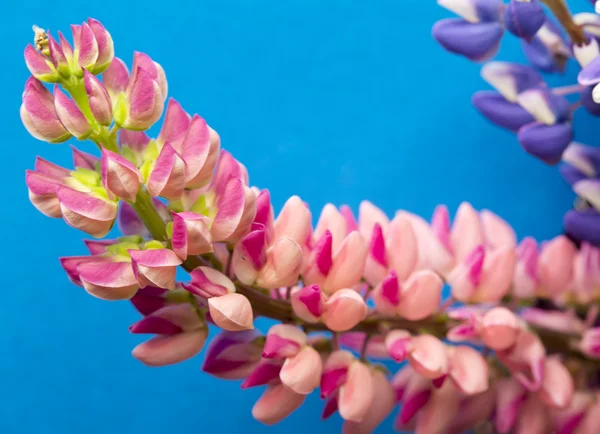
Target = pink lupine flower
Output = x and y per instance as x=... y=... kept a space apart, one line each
x=499 y=328
x=200 y=151
x=229 y=310
x=343 y=310
x=398 y=344
x=87 y=211
x=39 y=116
x=557 y=385
x=175 y=125
x=277 y=403
x=556 y=265
x=468 y=370
x=180 y=335
x=155 y=267
x=233 y=355
x=293 y=221
x=473 y=410
x=381 y=406
x=566 y=322
x=108 y=279
x=191 y=234
x=84 y=160
x=525 y=360
x=150 y=299
x=586 y=272
x=589 y=420
x=40 y=66
x=98 y=98
x=357 y=393
x=510 y=396
x=115 y=79
x=526 y=279
x=428 y=356
x=105 y=45
x=70 y=115
x=414 y=391
x=167 y=178
x=43 y=184
x=335 y=372
x=119 y=176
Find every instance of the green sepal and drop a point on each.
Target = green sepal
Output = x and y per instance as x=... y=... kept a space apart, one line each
x=120 y=110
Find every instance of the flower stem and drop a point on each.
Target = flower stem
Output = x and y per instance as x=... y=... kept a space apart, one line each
x=145 y=209
x=561 y=11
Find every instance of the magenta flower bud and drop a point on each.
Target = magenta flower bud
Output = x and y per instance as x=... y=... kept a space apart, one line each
x=86 y=211
x=397 y=343
x=156 y=267
x=320 y=260
x=526 y=279
x=163 y=350
x=249 y=256
x=108 y=280
x=169 y=320
x=98 y=99
x=167 y=178
x=414 y=391
x=104 y=42
x=84 y=160
x=523 y=18
x=276 y=403
x=200 y=151
x=294 y=221
x=39 y=114
x=85 y=44
x=175 y=126
x=335 y=372
x=70 y=264
x=191 y=234
x=40 y=66
x=119 y=176
x=116 y=79
x=266 y=372
x=308 y=303
x=283 y=341
x=357 y=394
x=234 y=355
x=70 y=115
x=420 y=295
x=344 y=309
x=142 y=103
x=154 y=69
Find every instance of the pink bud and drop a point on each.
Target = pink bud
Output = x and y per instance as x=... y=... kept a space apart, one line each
x=428 y=356
x=351 y=223
x=348 y=264
x=58 y=57
x=294 y=221
x=191 y=234
x=115 y=79
x=142 y=105
x=368 y=216
x=164 y=350
x=39 y=66
x=266 y=372
x=440 y=412
x=277 y=403
x=510 y=397
x=377 y=260
x=208 y=282
x=383 y=403
x=498 y=233
x=590 y=343
x=525 y=360
x=283 y=341
x=302 y=372
x=562 y=322
x=357 y=394
x=175 y=126
x=586 y=272
x=84 y=160
x=70 y=115
x=534 y=417
x=247 y=217
x=344 y=309
x=231 y=312
x=414 y=391
x=87 y=212
x=154 y=69
x=39 y=114
x=284 y=261
x=499 y=328
x=98 y=247
x=42 y=192
x=333 y=221
x=467 y=232
x=85 y=44
x=230 y=205
x=320 y=260
x=119 y=176
x=526 y=280
x=557 y=385
x=98 y=99
x=249 y=256
x=420 y=295
x=167 y=178
x=466 y=276
x=105 y=45
x=169 y=320
x=398 y=344
x=440 y=226
x=468 y=370
x=308 y=303
x=155 y=267
x=108 y=280
x=233 y=355
x=386 y=295
x=556 y=265
x=403 y=247
x=497 y=276
x=335 y=372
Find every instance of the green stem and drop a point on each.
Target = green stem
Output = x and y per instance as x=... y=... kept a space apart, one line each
x=145 y=209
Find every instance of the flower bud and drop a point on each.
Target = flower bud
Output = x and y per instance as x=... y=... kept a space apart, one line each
x=98 y=99
x=344 y=309
x=283 y=341
x=70 y=115
x=108 y=280
x=142 y=103
x=523 y=18
x=156 y=267
x=40 y=66
x=476 y=41
x=104 y=42
x=86 y=211
x=191 y=234
x=167 y=178
x=233 y=355
x=119 y=176
x=39 y=114
x=231 y=312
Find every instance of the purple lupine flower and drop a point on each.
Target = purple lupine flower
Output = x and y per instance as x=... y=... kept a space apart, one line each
x=523 y=18
x=548 y=49
x=583 y=225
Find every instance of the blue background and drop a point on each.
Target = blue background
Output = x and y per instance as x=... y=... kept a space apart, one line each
x=332 y=100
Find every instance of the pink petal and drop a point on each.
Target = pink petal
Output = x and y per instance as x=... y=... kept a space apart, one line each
x=465 y=277
x=403 y=248
x=208 y=282
x=357 y=394
x=335 y=371
x=510 y=397
x=440 y=226
x=557 y=385
x=277 y=403
x=283 y=340
x=320 y=260
x=98 y=99
x=428 y=356
x=439 y=413
x=119 y=176
x=284 y=262
x=154 y=70
x=115 y=78
x=499 y=328
x=294 y=221
x=169 y=350
x=175 y=126
x=469 y=370
x=200 y=152
x=249 y=256
x=420 y=295
x=416 y=393
x=144 y=102
x=467 y=232
x=497 y=275
x=85 y=212
x=167 y=178
x=348 y=264
x=155 y=267
x=230 y=209
x=266 y=372
x=233 y=355
x=526 y=280
x=106 y=49
x=556 y=264
x=191 y=234
x=231 y=312
x=108 y=280
x=331 y=220
x=70 y=115
x=368 y=216
x=169 y=320
x=39 y=66
x=84 y=160
x=308 y=303
x=398 y=344
x=85 y=44
x=526 y=360
x=498 y=233
x=302 y=372
x=344 y=309
x=534 y=417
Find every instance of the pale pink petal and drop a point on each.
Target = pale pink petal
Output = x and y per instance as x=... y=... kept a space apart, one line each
x=302 y=372
x=534 y=417
x=497 y=275
x=168 y=350
x=509 y=399
x=398 y=344
x=294 y=221
x=333 y=221
x=557 y=385
x=284 y=262
x=440 y=412
x=277 y=403
x=420 y=295
x=335 y=371
x=403 y=248
x=467 y=232
x=428 y=356
x=498 y=233
x=368 y=216
x=357 y=394
x=556 y=265
x=344 y=309
x=469 y=370
x=231 y=312
x=283 y=340
x=348 y=264
x=499 y=328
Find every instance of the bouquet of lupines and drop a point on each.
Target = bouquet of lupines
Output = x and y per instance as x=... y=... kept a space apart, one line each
x=511 y=346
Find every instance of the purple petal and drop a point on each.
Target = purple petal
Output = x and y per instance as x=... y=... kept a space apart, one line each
x=501 y=112
x=524 y=18
x=475 y=41
x=584 y=225
x=588 y=102
x=546 y=142
x=590 y=74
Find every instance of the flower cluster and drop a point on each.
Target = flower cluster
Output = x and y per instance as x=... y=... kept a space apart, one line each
x=515 y=344
x=522 y=102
